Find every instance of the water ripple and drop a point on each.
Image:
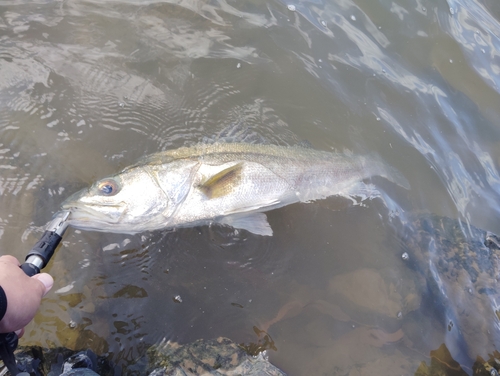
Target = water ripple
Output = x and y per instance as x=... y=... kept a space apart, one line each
x=477 y=33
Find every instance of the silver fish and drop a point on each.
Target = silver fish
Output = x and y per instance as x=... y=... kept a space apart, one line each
x=225 y=183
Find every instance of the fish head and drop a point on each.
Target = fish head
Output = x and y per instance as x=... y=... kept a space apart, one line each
x=128 y=202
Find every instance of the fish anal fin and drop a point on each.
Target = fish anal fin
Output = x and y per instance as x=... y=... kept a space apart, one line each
x=223 y=182
x=256 y=223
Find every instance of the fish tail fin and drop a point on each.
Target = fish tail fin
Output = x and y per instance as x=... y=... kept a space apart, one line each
x=380 y=168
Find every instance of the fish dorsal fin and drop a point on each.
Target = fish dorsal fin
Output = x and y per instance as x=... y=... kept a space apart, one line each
x=223 y=182
x=255 y=223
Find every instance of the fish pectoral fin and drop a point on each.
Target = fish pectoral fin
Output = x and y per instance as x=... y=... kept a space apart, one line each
x=223 y=182
x=255 y=223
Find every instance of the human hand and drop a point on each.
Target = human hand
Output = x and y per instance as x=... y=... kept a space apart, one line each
x=24 y=294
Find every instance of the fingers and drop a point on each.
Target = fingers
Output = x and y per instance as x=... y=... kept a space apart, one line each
x=8 y=259
x=46 y=280
x=23 y=293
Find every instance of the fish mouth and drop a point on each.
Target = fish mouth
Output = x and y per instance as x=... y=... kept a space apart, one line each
x=89 y=216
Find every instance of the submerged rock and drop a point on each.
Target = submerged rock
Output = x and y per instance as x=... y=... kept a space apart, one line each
x=460 y=265
x=368 y=290
x=217 y=357
x=208 y=357
x=441 y=295
x=40 y=361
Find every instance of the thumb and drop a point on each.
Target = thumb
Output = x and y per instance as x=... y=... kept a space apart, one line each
x=46 y=280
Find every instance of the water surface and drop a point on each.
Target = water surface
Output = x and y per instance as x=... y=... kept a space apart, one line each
x=88 y=87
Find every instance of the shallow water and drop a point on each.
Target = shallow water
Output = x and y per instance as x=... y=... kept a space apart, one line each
x=87 y=88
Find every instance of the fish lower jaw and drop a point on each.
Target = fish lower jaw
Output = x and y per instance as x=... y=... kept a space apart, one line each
x=91 y=221
x=91 y=224
x=94 y=218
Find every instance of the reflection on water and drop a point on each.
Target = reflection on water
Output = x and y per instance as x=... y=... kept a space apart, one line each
x=87 y=88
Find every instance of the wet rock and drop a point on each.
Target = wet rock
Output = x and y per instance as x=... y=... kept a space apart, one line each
x=42 y=361
x=202 y=357
x=208 y=357
x=461 y=275
x=441 y=363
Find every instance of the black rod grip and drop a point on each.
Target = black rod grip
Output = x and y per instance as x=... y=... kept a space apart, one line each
x=45 y=247
x=29 y=269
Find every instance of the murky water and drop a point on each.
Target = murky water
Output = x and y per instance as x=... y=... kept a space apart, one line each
x=88 y=87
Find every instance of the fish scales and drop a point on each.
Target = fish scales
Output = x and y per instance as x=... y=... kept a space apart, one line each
x=226 y=183
x=299 y=166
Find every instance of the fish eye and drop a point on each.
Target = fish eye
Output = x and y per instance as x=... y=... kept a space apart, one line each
x=108 y=187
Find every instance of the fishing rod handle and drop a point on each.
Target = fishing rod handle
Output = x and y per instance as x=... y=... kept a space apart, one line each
x=36 y=260
x=43 y=250
x=10 y=339
x=41 y=253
